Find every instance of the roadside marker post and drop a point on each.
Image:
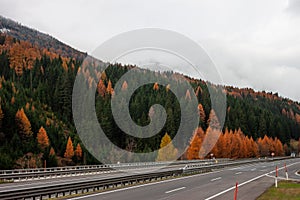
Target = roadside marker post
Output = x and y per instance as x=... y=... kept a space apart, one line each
x=286 y=172
x=236 y=191
x=276 y=185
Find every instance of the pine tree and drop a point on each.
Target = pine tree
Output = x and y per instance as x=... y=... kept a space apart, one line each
x=69 y=149
x=78 y=152
x=23 y=124
x=42 y=138
x=167 y=151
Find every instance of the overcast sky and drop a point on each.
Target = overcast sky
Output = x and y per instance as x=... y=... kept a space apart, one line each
x=253 y=43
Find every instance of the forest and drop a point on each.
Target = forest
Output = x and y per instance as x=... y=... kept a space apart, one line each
x=36 y=121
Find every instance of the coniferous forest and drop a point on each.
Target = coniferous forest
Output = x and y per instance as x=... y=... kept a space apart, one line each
x=37 y=75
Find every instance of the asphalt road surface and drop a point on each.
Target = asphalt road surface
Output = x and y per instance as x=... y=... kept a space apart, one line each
x=253 y=180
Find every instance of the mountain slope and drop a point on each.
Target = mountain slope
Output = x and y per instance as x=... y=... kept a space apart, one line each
x=37 y=77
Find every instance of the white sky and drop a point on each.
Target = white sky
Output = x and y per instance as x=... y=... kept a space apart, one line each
x=253 y=43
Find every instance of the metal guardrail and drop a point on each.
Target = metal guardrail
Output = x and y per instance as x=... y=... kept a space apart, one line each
x=53 y=191
x=82 y=186
x=29 y=174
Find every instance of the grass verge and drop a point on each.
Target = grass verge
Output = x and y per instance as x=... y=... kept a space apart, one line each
x=287 y=190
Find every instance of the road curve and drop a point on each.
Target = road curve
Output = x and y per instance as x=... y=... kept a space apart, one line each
x=219 y=184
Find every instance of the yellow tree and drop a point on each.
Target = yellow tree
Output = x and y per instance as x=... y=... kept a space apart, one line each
x=78 y=152
x=23 y=124
x=167 y=150
x=69 y=149
x=42 y=138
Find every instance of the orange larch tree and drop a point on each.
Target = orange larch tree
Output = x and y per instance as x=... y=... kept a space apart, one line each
x=213 y=120
x=193 y=150
x=52 y=152
x=101 y=88
x=188 y=95
x=78 y=152
x=69 y=149
x=124 y=86
x=201 y=112
x=109 y=88
x=23 y=124
x=42 y=139
x=155 y=86
x=16 y=57
x=278 y=147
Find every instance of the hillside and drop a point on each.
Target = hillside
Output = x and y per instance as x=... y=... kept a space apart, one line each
x=20 y=32
x=36 y=123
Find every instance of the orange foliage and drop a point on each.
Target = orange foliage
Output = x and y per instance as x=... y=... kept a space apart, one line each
x=188 y=95
x=52 y=152
x=124 y=86
x=213 y=120
x=23 y=124
x=42 y=138
x=201 y=112
x=78 y=151
x=101 y=88
x=13 y=100
x=193 y=150
x=109 y=88
x=69 y=149
x=155 y=86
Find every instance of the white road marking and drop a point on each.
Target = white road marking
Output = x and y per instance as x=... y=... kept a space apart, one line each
x=215 y=179
x=253 y=169
x=145 y=185
x=246 y=182
x=238 y=173
x=177 y=189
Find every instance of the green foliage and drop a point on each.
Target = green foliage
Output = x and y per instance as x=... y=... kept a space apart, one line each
x=45 y=93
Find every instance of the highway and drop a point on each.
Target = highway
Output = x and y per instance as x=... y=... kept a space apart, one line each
x=253 y=180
